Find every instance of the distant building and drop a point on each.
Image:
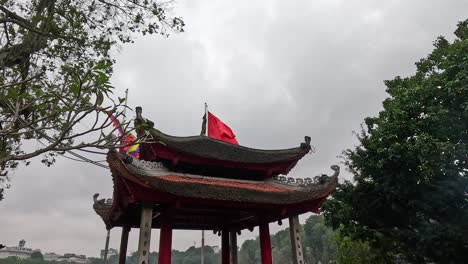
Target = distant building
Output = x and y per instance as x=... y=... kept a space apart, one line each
x=19 y=251
x=24 y=253
x=51 y=256
x=70 y=257
x=111 y=252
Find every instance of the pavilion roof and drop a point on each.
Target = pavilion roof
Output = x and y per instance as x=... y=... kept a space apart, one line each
x=210 y=148
x=199 y=154
x=149 y=181
x=185 y=185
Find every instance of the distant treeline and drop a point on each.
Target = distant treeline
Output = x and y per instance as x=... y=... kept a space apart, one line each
x=320 y=243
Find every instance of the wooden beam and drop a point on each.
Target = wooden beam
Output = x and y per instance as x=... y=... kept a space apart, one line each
x=123 y=245
x=265 y=244
x=145 y=233
x=296 y=244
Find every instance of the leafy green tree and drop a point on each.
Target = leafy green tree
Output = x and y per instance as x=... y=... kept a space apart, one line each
x=9 y=260
x=97 y=261
x=177 y=256
x=319 y=242
x=37 y=255
x=153 y=257
x=133 y=258
x=193 y=255
x=281 y=247
x=409 y=193
x=35 y=260
x=55 y=64
x=113 y=259
x=349 y=251
x=249 y=252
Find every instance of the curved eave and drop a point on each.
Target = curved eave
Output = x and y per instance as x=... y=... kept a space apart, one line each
x=104 y=211
x=260 y=192
x=206 y=147
x=110 y=212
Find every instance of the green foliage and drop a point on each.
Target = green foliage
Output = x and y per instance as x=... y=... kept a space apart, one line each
x=349 y=251
x=114 y=259
x=319 y=242
x=96 y=261
x=410 y=169
x=56 y=63
x=250 y=252
x=37 y=255
x=191 y=255
x=38 y=259
x=15 y=260
x=281 y=247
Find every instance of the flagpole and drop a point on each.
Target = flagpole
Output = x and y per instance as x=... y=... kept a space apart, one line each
x=123 y=119
x=206 y=116
x=125 y=106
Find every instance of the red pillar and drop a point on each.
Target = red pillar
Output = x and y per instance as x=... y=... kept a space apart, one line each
x=265 y=245
x=225 y=256
x=165 y=242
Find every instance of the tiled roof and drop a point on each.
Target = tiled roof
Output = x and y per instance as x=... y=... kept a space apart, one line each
x=207 y=147
x=265 y=192
x=224 y=183
x=138 y=181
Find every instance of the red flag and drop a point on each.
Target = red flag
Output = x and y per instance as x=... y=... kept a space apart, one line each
x=220 y=131
x=127 y=138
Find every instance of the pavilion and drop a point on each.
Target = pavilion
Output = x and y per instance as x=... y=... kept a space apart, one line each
x=200 y=183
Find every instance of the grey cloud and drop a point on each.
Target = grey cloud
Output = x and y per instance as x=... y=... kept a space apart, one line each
x=275 y=71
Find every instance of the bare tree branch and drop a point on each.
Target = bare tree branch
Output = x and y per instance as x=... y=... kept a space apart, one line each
x=23 y=81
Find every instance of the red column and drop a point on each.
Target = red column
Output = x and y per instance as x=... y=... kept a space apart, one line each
x=265 y=245
x=225 y=256
x=165 y=242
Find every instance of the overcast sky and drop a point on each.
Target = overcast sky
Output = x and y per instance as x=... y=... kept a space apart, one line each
x=274 y=71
